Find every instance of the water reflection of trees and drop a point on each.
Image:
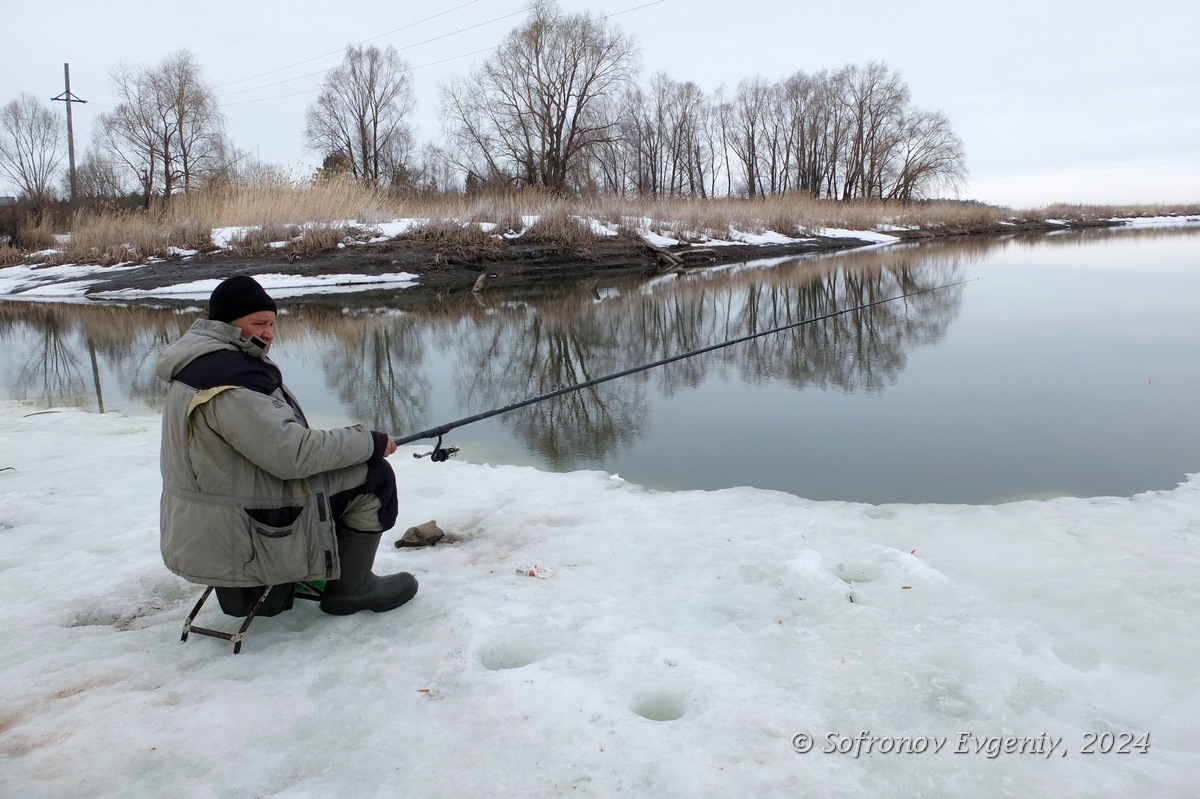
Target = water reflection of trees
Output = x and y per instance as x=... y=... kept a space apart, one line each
x=1091 y=235
x=373 y=363
x=64 y=354
x=525 y=351
x=380 y=365
x=59 y=354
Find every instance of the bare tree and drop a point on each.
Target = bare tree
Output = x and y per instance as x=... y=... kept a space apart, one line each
x=612 y=162
x=875 y=98
x=128 y=134
x=31 y=139
x=99 y=177
x=532 y=112
x=166 y=130
x=778 y=143
x=193 y=129
x=747 y=123
x=851 y=135
x=641 y=128
x=434 y=174
x=361 y=115
x=242 y=169
x=719 y=123
x=664 y=147
x=691 y=148
x=930 y=157
x=795 y=98
x=831 y=132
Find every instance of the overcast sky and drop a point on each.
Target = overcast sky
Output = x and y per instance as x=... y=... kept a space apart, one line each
x=1095 y=102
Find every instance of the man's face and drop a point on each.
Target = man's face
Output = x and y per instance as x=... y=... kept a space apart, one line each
x=259 y=323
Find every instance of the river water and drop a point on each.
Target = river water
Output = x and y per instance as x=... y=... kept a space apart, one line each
x=1065 y=365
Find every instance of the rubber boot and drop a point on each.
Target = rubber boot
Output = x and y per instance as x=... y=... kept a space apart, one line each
x=359 y=588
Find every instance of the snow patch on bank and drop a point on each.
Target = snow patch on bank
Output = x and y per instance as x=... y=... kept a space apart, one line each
x=872 y=236
x=277 y=285
x=32 y=280
x=38 y=283
x=1158 y=221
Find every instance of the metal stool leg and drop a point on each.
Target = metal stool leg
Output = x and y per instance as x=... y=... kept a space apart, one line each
x=234 y=638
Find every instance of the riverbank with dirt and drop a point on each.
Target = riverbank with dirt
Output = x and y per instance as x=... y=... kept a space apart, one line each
x=506 y=264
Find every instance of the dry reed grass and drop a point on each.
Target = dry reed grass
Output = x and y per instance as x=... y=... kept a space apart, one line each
x=37 y=236
x=1093 y=212
x=789 y=215
x=110 y=239
x=310 y=217
x=313 y=217
x=10 y=255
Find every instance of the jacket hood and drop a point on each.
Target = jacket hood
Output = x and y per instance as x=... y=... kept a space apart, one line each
x=204 y=336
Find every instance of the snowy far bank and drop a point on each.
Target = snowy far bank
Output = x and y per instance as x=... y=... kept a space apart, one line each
x=683 y=645
x=73 y=282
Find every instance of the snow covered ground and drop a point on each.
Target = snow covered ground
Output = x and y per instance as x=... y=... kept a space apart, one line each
x=683 y=645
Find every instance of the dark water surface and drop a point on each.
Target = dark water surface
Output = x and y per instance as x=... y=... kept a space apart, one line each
x=1069 y=365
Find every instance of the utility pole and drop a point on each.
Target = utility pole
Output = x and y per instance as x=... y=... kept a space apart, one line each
x=69 y=98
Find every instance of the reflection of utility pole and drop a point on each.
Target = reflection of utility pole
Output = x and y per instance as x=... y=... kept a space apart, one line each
x=69 y=98
x=95 y=372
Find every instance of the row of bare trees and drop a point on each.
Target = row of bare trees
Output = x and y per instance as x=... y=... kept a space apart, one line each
x=851 y=134
x=556 y=105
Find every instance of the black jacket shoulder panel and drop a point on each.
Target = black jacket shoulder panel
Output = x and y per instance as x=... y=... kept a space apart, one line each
x=229 y=368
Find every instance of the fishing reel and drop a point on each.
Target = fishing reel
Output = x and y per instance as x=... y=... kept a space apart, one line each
x=438 y=454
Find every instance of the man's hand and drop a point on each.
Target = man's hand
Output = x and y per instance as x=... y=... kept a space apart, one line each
x=384 y=446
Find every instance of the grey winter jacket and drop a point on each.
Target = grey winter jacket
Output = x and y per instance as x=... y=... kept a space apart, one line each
x=246 y=482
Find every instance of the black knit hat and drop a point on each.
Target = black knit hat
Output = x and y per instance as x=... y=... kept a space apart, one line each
x=236 y=297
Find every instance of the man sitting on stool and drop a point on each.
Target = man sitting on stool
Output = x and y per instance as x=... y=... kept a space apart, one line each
x=252 y=496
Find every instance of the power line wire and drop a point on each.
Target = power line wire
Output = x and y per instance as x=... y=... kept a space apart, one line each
x=336 y=52
x=405 y=47
x=635 y=8
x=310 y=91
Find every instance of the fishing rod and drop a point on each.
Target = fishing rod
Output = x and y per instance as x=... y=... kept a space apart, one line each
x=440 y=453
